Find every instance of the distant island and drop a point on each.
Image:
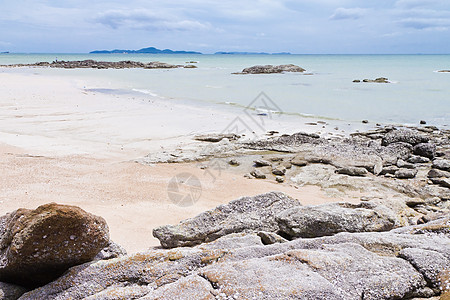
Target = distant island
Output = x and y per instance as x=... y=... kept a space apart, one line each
x=151 y=50
x=253 y=53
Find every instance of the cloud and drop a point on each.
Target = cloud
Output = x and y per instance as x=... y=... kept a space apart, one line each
x=148 y=20
x=408 y=4
x=424 y=23
x=348 y=13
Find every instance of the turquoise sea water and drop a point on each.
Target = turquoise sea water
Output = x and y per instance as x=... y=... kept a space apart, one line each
x=417 y=91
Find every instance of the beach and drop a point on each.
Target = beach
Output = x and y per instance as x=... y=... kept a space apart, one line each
x=61 y=143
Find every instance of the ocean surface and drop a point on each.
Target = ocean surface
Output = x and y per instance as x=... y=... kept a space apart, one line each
x=326 y=91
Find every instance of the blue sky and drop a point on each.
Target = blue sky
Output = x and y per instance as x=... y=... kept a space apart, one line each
x=301 y=26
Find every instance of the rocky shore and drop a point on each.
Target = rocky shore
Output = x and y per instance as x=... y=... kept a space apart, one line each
x=393 y=244
x=270 y=69
x=92 y=64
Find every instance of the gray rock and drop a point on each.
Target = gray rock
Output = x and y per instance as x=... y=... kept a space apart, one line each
x=36 y=246
x=279 y=170
x=403 y=164
x=241 y=215
x=389 y=170
x=444 y=182
x=279 y=179
x=441 y=164
x=405 y=173
x=352 y=171
x=429 y=263
x=216 y=137
x=269 y=238
x=258 y=174
x=262 y=163
x=404 y=135
x=233 y=162
x=425 y=149
x=329 y=219
x=415 y=159
x=10 y=291
x=112 y=250
x=436 y=173
x=299 y=161
x=269 y=69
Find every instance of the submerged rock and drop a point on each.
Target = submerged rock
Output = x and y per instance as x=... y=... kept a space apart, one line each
x=37 y=246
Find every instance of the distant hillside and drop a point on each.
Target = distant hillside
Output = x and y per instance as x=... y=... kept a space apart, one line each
x=151 y=50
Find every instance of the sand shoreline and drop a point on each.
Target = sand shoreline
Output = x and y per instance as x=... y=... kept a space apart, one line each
x=59 y=143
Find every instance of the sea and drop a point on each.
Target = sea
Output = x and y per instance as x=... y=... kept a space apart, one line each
x=417 y=91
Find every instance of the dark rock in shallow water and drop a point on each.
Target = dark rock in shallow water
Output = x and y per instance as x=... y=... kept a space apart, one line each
x=269 y=69
x=37 y=246
x=404 y=135
x=329 y=219
x=425 y=149
x=244 y=214
x=258 y=174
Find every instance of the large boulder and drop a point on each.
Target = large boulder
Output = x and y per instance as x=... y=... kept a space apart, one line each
x=37 y=246
x=404 y=135
x=331 y=218
x=241 y=215
x=427 y=150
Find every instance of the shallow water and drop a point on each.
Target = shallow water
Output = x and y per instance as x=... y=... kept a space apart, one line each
x=417 y=91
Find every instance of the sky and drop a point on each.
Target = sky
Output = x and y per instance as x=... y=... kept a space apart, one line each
x=300 y=26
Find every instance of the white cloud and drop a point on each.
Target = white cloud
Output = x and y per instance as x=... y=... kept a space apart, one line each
x=348 y=13
x=147 y=20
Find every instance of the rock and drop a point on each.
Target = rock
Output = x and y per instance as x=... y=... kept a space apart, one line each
x=286 y=143
x=262 y=163
x=216 y=137
x=357 y=81
x=233 y=162
x=279 y=170
x=258 y=174
x=352 y=171
x=269 y=238
x=441 y=164
x=444 y=71
x=331 y=218
x=241 y=215
x=403 y=164
x=365 y=121
x=37 y=246
x=112 y=250
x=414 y=159
x=299 y=161
x=429 y=263
x=10 y=291
x=436 y=173
x=389 y=170
x=190 y=67
x=425 y=149
x=405 y=173
x=279 y=179
x=270 y=69
x=423 y=122
x=403 y=135
x=444 y=182
x=376 y=80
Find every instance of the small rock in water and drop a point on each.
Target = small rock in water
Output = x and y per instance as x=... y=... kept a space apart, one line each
x=357 y=81
x=423 y=122
x=233 y=162
x=262 y=163
x=365 y=121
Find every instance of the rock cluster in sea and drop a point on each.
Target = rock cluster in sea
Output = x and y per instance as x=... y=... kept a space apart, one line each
x=270 y=69
x=127 y=64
